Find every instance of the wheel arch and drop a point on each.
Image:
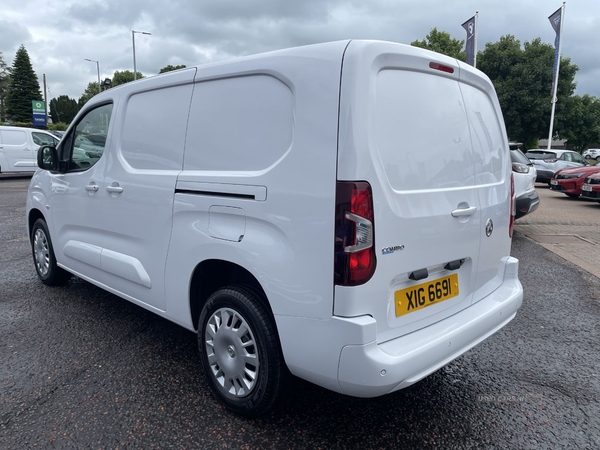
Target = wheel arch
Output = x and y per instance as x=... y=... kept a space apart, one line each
x=213 y=274
x=34 y=215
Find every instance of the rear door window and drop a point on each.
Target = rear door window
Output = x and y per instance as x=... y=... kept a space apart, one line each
x=489 y=142
x=422 y=133
x=577 y=158
x=518 y=157
x=540 y=155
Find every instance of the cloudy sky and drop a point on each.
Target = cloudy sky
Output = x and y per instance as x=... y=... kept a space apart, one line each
x=60 y=34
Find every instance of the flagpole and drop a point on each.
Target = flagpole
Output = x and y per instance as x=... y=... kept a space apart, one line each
x=475 y=37
x=555 y=81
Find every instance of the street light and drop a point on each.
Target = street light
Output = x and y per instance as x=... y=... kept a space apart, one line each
x=133 y=40
x=97 y=68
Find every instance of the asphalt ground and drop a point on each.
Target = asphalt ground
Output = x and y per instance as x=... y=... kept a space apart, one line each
x=81 y=368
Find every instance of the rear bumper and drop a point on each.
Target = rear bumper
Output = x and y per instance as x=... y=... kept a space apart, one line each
x=527 y=203
x=329 y=353
x=544 y=175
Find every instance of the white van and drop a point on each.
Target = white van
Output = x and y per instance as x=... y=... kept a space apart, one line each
x=341 y=210
x=19 y=146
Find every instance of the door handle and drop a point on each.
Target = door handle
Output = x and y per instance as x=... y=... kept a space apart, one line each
x=464 y=211
x=91 y=187
x=114 y=189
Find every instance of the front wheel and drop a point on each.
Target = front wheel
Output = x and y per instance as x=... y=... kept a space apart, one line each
x=240 y=352
x=43 y=256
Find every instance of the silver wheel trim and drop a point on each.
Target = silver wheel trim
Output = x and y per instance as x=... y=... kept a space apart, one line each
x=231 y=352
x=41 y=252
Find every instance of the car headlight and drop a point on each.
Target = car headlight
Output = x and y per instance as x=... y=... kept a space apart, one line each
x=568 y=176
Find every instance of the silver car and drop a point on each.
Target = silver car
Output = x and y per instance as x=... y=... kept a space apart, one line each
x=548 y=162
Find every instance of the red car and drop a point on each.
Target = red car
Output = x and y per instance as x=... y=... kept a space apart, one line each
x=591 y=187
x=569 y=181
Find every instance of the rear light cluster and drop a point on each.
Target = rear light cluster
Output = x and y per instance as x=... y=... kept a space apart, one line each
x=513 y=206
x=354 y=250
x=520 y=168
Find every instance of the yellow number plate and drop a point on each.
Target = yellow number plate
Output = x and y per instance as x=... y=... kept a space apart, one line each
x=425 y=294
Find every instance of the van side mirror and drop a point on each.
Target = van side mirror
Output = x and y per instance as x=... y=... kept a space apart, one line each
x=47 y=158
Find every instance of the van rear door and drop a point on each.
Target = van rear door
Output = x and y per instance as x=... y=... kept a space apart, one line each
x=492 y=180
x=405 y=129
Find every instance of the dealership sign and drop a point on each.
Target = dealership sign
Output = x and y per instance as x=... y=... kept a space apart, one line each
x=39 y=113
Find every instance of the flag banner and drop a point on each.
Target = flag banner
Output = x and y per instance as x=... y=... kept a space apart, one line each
x=555 y=22
x=469 y=26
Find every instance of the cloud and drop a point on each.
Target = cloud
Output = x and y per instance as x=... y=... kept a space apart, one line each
x=60 y=34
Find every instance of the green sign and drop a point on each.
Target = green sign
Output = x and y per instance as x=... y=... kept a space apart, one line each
x=38 y=106
x=39 y=113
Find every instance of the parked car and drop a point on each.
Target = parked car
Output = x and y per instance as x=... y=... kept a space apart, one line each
x=591 y=187
x=284 y=211
x=569 y=181
x=592 y=153
x=19 y=146
x=548 y=162
x=524 y=173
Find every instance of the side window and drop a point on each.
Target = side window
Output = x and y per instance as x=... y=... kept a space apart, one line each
x=42 y=139
x=84 y=145
x=566 y=157
x=577 y=158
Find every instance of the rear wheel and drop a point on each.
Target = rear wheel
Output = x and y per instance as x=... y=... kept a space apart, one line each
x=43 y=256
x=240 y=351
x=598 y=158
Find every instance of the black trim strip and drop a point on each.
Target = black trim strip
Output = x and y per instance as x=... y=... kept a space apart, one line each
x=216 y=194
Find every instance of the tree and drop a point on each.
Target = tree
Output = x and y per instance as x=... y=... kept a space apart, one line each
x=169 y=68
x=119 y=78
x=4 y=85
x=580 y=124
x=24 y=88
x=124 y=77
x=441 y=42
x=63 y=109
x=522 y=77
x=90 y=91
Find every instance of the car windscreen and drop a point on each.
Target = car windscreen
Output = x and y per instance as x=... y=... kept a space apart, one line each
x=540 y=155
x=517 y=156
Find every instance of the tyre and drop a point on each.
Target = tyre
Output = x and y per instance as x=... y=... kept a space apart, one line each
x=240 y=351
x=598 y=158
x=572 y=195
x=43 y=256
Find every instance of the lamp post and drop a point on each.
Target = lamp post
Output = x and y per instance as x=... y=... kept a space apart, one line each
x=133 y=40
x=98 y=69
